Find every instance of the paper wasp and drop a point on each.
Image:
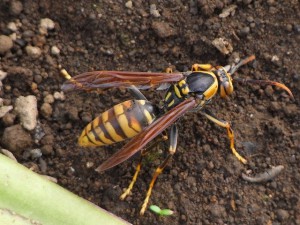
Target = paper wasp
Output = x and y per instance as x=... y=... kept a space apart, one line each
x=142 y=120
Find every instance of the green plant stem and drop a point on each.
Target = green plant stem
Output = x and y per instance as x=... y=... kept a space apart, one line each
x=27 y=196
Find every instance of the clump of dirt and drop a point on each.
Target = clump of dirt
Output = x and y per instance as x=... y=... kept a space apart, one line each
x=203 y=183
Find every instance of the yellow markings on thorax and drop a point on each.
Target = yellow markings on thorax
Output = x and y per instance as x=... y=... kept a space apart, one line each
x=212 y=90
x=177 y=91
x=183 y=86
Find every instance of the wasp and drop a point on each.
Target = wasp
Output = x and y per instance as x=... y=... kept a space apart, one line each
x=142 y=121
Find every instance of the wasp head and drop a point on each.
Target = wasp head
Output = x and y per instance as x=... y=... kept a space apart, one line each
x=225 y=81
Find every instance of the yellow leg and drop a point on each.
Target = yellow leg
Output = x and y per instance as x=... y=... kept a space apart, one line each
x=155 y=175
x=137 y=170
x=159 y=170
x=199 y=67
x=230 y=133
x=138 y=167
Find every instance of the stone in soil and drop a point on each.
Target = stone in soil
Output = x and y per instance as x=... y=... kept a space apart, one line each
x=16 y=7
x=16 y=139
x=163 y=29
x=5 y=109
x=33 y=52
x=26 y=109
x=6 y=44
x=46 y=110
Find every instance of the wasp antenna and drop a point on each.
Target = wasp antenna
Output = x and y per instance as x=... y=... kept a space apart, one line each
x=242 y=62
x=266 y=82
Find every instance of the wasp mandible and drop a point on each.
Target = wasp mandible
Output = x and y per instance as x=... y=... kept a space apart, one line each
x=142 y=121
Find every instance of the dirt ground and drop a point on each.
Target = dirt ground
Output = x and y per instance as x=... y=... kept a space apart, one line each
x=203 y=183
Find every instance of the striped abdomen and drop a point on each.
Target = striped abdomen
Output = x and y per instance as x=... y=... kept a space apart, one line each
x=122 y=121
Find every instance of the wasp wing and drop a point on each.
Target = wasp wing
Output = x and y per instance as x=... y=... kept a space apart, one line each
x=138 y=142
x=107 y=79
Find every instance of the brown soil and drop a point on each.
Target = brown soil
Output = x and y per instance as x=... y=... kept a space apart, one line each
x=203 y=183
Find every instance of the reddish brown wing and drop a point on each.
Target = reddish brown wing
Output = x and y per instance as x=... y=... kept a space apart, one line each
x=139 y=141
x=107 y=79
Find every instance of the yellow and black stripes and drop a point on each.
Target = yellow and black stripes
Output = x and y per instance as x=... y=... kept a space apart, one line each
x=176 y=94
x=122 y=121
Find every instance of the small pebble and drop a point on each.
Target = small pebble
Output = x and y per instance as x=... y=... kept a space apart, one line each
x=128 y=4
x=269 y=91
x=282 y=214
x=16 y=139
x=45 y=25
x=275 y=58
x=8 y=119
x=2 y=75
x=28 y=34
x=48 y=140
x=55 y=50
x=38 y=78
x=222 y=45
x=16 y=7
x=33 y=52
x=6 y=44
x=59 y=96
x=43 y=165
x=250 y=19
x=49 y=99
x=227 y=11
x=245 y=31
x=153 y=11
x=35 y=153
x=46 y=110
x=217 y=210
x=12 y=26
x=289 y=27
x=163 y=29
x=26 y=108
x=86 y=117
x=5 y=109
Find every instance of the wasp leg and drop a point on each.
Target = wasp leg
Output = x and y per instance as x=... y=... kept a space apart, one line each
x=230 y=133
x=137 y=93
x=201 y=67
x=172 y=150
x=163 y=137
